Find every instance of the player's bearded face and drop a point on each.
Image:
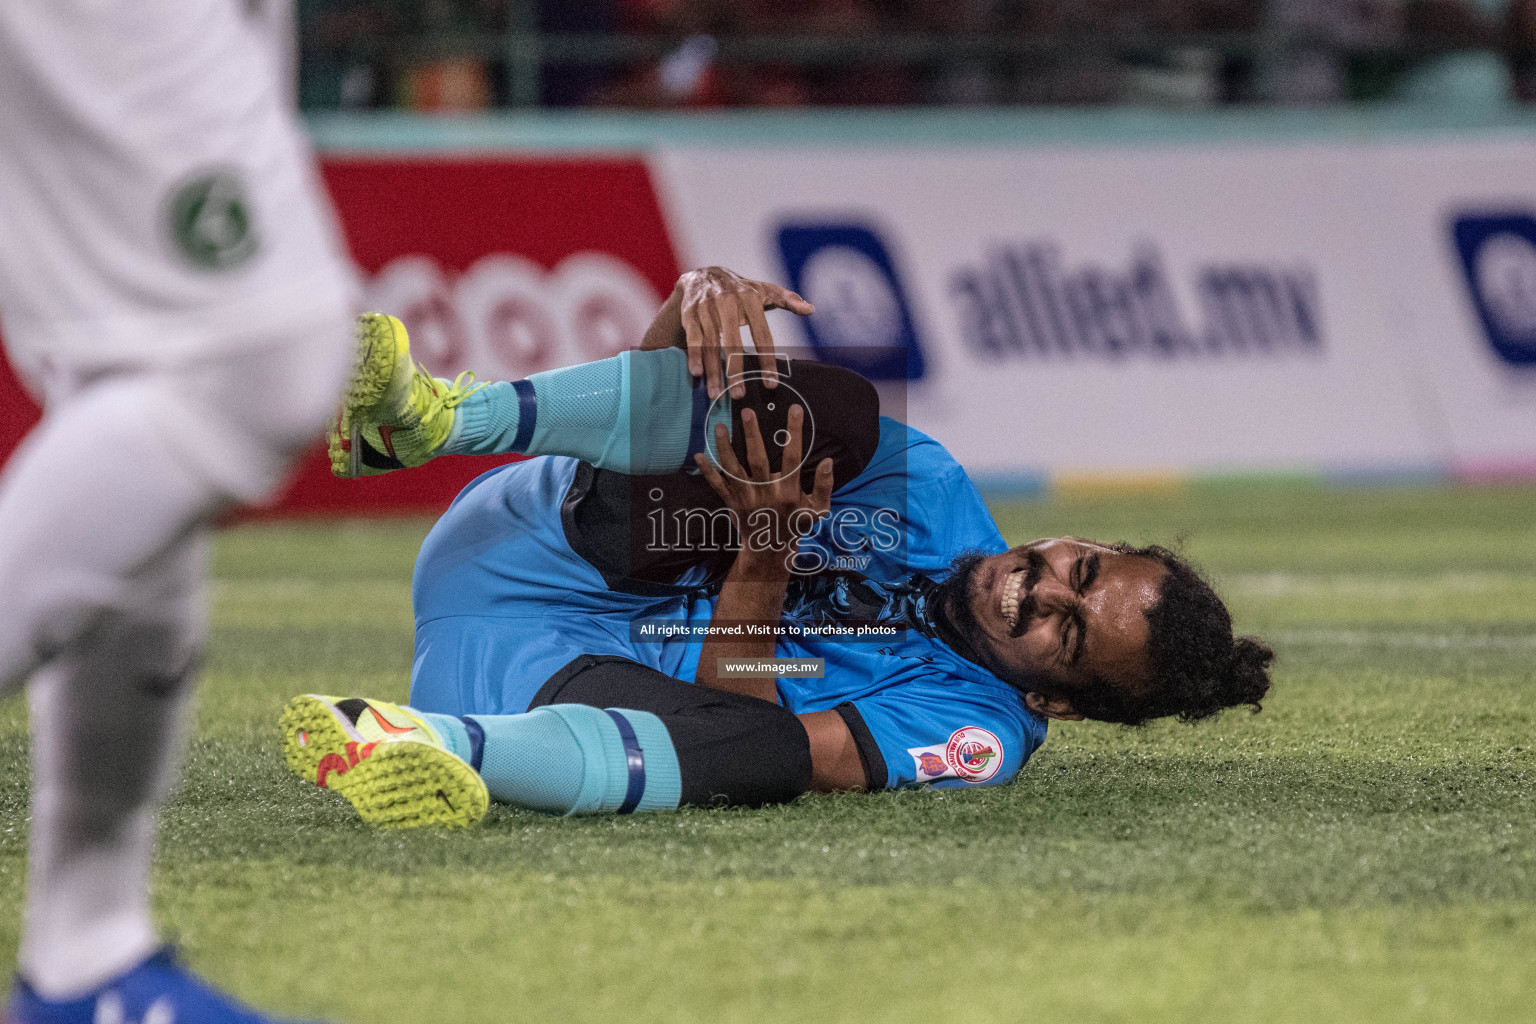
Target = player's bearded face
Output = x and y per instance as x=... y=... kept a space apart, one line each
x=1055 y=615
x=958 y=609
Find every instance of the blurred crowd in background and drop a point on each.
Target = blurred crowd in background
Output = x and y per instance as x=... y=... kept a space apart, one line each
x=465 y=55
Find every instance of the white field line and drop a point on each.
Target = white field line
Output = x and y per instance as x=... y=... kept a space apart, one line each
x=1282 y=584
x=1431 y=641
x=1255 y=585
x=302 y=586
x=1269 y=584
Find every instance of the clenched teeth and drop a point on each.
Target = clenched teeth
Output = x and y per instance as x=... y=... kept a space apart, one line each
x=1010 y=604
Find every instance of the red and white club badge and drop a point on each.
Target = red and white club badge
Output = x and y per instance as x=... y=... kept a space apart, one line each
x=974 y=754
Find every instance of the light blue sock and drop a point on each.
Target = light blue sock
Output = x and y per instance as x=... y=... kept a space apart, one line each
x=575 y=759
x=453 y=732
x=486 y=422
x=631 y=413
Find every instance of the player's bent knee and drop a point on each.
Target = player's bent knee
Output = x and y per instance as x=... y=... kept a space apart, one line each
x=843 y=410
x=772 y=763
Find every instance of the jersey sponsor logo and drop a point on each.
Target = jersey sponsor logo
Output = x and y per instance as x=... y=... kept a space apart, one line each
x=210 y=220
x=1498 y=259
x=862 y=320
x=971 y=753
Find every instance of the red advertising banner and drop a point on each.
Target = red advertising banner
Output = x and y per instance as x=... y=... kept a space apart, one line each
x=18 y=413
x=501 y=266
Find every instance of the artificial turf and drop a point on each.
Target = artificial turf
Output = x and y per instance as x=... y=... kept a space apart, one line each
x=1360 y=851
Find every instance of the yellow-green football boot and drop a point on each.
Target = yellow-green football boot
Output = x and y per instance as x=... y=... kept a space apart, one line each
x=325 y=736
x=395 y=414
x=392 y=766
x=409 y=782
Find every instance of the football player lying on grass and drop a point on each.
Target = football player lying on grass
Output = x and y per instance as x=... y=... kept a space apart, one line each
x=575 y=612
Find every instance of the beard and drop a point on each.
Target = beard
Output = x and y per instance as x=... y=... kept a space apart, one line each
x=956 y=620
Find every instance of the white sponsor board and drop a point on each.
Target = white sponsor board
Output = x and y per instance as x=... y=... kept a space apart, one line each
x=1279 y=306
x=1459 y=236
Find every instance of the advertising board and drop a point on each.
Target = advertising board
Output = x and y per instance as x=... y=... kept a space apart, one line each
x=1241 y=308
x=1049 y=312
x=505 y=266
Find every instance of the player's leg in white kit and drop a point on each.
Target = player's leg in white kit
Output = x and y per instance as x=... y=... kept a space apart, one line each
x=169 y=282
x=105 y=550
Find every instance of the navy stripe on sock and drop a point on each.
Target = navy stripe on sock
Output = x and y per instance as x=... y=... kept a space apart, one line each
x=527 y=414
x=635 y=757
x=476 y=742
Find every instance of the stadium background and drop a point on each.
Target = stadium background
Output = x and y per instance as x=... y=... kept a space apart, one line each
x=1256 y=275
x=1284 y=238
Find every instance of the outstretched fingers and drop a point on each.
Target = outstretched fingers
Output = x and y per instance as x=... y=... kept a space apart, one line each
x=778 y=297
x=757 y=453
x=725 y=455
x=762 y=341
x=821 y=491
x=794 y=445
x=729 y=316
x=710 y=352
x=712 y=477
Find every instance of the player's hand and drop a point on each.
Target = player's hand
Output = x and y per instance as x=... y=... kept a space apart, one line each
x=752 y=490
x=715 y=303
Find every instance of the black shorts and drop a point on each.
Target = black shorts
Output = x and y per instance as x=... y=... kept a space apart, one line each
x=732 y=749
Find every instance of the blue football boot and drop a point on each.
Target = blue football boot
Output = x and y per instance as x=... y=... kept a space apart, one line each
x=158 y=991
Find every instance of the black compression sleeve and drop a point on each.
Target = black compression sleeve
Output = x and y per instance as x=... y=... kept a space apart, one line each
x=732 y=750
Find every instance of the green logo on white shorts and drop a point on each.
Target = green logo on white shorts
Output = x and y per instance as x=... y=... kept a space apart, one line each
x=211 y=221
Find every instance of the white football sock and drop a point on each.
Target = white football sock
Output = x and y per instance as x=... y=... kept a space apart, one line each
x=107 y=715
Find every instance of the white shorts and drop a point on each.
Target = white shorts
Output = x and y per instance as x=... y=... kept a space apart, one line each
x=158 y=199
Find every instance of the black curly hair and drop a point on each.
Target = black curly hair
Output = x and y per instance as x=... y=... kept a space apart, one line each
x=1198 y=668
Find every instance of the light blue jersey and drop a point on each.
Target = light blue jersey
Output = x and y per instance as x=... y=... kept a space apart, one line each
x=502 y=603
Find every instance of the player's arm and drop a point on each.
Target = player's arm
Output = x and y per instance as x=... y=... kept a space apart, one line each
x=751 y=594
x=772 y=514
x=753 y=590
x=747 y=596
x=666 y=331
x=835 y=762
x=705 y=314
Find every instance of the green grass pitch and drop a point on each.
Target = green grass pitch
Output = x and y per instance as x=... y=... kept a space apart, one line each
x=1363 y=850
